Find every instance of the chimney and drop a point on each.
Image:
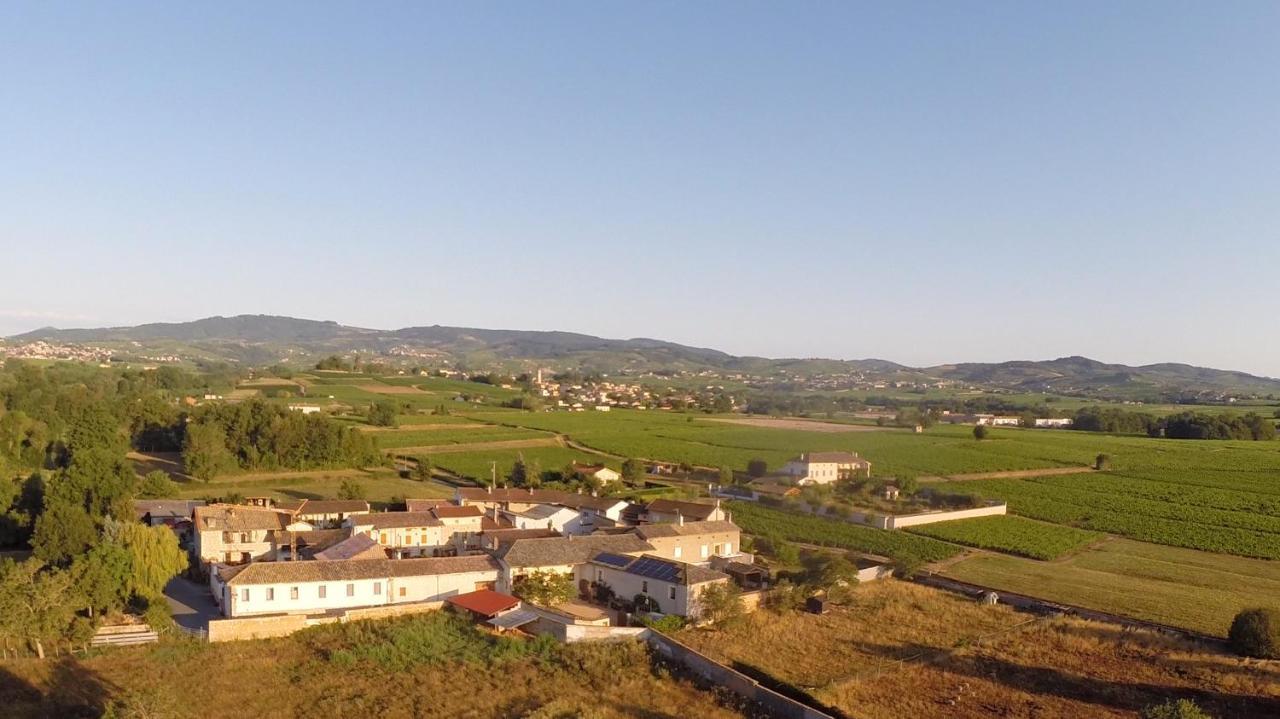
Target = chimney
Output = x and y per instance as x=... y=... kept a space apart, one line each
x=679 y=518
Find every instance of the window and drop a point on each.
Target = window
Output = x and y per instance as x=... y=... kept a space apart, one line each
x=704 y=551
x=293 y=593
x=377 y=587
x=599 y=575
x=678 y=552
x=644 y=587
x=244 y=594
x=671 y=592
x=402 y=591
x=351 y=590
x=324 y=591
x=228 y=538
x=382 y=539
x=244 y=539
x=728 y=549
x=271 y=594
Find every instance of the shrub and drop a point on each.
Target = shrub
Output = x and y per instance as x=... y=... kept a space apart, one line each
x=1180 y=709
x=1256 y=633
x=980 y=432
x=1103 y=462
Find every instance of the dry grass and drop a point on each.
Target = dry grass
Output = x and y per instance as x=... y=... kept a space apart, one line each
x=391 y=389
x=287 y=678
x=1041 y=668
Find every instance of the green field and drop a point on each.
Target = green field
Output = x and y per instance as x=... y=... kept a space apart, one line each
x=380 y=487
x=476 y=465
x=1012 y=535
x=1181 y=587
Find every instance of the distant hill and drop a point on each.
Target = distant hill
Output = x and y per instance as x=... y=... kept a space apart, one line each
x=261 y=339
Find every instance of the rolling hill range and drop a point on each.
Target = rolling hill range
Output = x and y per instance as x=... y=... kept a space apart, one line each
x=262 y=339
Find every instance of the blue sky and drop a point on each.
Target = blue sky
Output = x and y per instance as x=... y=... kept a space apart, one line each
x=922 y=182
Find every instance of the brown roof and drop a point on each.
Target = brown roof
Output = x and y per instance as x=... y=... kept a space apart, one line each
x=510 y=535
x=285 y=572
x=559 y=551
x=695 y=510
x=333 y=506
x=288 y=505
x=166 y=507
x=485 y=602
x=395 y=520
x=238 y=518
x=648 y=531
x=314 y=539
x=449 y=511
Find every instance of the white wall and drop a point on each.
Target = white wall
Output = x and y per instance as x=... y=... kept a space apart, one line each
x=366 y=593
x=912 y=520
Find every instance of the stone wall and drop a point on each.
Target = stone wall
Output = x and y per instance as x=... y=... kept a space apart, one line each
x=912 y=520
x=229 y=630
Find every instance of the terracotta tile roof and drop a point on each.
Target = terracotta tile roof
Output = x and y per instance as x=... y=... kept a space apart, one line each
x=174 y=508
x=485 y=602
x=691 y=510
x=424 y=505
x=313 y=539
x=395 y=520
x=359 y=546
x=648 y=531
x=313 y=571
x=560 y=551
x=450 y=511
x=510 y=535
x=238 y=518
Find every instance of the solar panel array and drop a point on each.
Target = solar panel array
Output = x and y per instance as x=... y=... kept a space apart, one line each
x=655 y=569
x=613 y=560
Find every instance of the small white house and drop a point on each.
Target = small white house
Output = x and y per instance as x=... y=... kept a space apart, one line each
x=669 y=587
x=305 y=408
x=596 y=471
x=1054 y=422
x=826 y=467
x=564 y=520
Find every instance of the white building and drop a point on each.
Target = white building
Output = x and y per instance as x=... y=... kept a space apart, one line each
x=1055 y=422
x=826 y=467
x=305 y=408
x=596 y=471
x=547 y=516
x=670 y=587
x=317 y=586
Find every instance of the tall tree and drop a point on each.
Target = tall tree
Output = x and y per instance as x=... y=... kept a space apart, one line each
x=63 y=532
x=37 y=604
x=204 y=451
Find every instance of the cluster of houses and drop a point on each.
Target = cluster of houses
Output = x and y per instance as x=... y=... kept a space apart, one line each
x=996 y=420
x=320 y=556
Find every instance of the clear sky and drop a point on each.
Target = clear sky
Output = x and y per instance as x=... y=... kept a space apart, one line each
x=921 y=182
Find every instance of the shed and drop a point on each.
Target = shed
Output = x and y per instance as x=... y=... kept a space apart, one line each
x=484 y=604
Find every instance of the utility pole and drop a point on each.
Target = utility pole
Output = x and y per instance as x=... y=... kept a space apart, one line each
x=493 y=474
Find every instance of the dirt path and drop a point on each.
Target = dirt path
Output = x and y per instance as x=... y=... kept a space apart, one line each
x=477 y=446
x=807 y=425
x=1013 y=474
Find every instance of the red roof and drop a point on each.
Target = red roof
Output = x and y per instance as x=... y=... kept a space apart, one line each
x=485 y=602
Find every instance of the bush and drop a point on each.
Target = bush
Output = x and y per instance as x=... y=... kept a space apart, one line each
x=1103 y=462
x=1256 y=633
x=1180 y=709
x=980 y=432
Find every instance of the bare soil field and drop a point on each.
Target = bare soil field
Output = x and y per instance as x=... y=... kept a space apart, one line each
x=1014 y=474
x=241 y=394
x=806 y=425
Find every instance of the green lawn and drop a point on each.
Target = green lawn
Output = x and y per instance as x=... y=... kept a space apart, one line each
x=1010 y=534
x=1181 y=587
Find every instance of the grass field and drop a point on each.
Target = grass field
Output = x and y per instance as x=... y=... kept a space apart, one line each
x=984 y=661
x=1180 y=587
x=380 y=486
x=422 y=666
x=1013 y=535
x=462 y=435
x=476 y=465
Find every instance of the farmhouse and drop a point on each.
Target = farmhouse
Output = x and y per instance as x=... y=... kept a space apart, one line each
x=1054 y=422
x=317 y=587
x=234 y=534
x=668 y=587
x=826 y=467
x=546 y=516
x=560 y=554
x=596 y=471
x=694 y=542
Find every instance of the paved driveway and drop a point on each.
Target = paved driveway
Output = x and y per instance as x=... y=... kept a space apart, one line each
x=192 y=603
